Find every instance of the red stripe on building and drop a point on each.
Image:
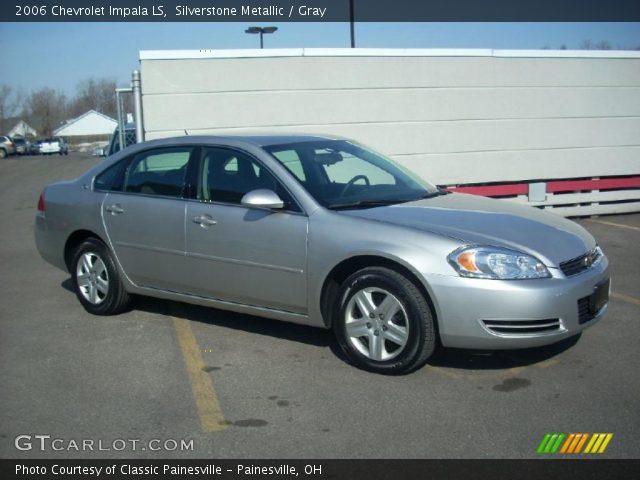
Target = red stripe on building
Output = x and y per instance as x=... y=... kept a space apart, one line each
x=601 y=184
x=494 y=190
x=511 y=189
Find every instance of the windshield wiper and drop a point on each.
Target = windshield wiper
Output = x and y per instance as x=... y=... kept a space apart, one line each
x=437 y=193
x=384 y=202
x=366 y=204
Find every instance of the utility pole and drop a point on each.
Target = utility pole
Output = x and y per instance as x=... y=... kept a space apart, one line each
x=351 y=21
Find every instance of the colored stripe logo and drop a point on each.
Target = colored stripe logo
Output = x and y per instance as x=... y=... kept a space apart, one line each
x=573 y=443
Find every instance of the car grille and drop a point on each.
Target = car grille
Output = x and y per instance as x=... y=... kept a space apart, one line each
x=523 y=327
x=581 y=263
x=584 y=312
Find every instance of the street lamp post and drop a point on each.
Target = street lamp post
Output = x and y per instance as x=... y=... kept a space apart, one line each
x=261 y=31
x=352 y=24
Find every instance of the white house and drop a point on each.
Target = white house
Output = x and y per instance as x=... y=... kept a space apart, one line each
x=90 y=124
x=22 y=129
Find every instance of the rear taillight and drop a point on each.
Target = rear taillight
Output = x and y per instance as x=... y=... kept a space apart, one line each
x=41 y=203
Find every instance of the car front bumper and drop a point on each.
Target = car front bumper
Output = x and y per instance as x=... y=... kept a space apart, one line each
x=509 y=314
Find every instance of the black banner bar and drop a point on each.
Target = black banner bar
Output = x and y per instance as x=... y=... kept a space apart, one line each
x=320 y=11
x=323 y=469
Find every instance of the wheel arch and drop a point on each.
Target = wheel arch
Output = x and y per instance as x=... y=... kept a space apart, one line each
x=347 y=267
x=75 y=239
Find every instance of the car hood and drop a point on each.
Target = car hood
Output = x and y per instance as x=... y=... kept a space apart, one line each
x=485 y=221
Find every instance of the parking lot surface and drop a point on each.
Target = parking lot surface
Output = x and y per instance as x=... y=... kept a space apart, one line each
x=234 y=386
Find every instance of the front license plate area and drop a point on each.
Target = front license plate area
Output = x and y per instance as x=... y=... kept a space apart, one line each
x=599 y=297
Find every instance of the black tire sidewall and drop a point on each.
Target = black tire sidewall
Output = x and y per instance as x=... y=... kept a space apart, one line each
x=391 y=282
x=109 y=304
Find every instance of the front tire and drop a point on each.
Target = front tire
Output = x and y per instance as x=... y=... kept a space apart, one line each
x=383 y=323
x=96 y=281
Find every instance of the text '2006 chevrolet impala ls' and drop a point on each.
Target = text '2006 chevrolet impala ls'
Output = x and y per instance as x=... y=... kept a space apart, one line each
x=322 y=231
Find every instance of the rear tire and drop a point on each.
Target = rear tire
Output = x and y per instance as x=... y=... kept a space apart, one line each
x=3 y=153
x=96 y=281
x=383 y=323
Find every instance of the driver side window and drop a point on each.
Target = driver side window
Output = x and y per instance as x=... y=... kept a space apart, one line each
x=227 y=175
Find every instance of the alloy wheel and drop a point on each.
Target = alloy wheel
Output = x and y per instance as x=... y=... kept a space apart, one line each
x=376 y=324
x=92 y=278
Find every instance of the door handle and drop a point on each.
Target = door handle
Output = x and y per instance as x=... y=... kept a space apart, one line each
x=204 y=220
x=114 y=209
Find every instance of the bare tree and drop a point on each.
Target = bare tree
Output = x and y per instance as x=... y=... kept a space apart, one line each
x=47 y=109
x=591 y=45
x=10 y=101
x=94 y=94
x=586 y=45
x=603 y=45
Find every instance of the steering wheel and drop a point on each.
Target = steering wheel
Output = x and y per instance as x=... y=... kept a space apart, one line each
x=352 y=181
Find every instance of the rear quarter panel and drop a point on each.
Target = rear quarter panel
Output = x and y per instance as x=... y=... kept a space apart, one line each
x=69 y=207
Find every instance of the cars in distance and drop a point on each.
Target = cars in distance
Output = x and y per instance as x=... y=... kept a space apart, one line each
x=50 y=146
x=34 y=148
x=22 y=146
x=322 y=231
x=7 y=146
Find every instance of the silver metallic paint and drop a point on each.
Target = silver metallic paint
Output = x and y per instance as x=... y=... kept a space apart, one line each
x=274 y=263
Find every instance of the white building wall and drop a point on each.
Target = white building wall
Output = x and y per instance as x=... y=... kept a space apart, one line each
x=453 y=116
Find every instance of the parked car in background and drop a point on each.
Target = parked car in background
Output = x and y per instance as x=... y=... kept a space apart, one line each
x=325 y=232
x=54 y=145
x=22 y=146
x=100 y=151
x=129 y=139
x=7 y=146
x=34 y=148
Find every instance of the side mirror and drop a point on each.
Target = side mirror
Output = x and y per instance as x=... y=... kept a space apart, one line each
x=262 y=198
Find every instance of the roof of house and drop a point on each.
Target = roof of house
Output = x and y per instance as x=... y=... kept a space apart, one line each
x=22 y=128
x=89 y=123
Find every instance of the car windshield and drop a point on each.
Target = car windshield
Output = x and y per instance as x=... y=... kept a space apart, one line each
x=342 y=174
x=18 y=141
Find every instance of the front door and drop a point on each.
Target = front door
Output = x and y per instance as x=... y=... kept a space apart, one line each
x=249 y=256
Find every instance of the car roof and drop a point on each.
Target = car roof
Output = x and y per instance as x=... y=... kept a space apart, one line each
x=267 y=140
x=260 y=140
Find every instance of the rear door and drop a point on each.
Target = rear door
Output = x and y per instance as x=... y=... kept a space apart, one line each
x=144 y=216
x=237 y=254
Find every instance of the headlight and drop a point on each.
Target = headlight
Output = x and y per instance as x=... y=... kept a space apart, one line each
x=496 y=263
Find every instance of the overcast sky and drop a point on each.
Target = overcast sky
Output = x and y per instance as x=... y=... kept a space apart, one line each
x=59 y=55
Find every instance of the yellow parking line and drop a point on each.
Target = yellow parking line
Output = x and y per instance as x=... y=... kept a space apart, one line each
x=209 y=411
x=621 y=225
x=626 y=298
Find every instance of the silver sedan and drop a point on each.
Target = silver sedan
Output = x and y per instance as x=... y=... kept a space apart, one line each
x=322 y=231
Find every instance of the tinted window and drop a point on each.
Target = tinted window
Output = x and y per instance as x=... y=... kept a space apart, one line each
x=111 y=179
x=158 y=172
x=227 y=175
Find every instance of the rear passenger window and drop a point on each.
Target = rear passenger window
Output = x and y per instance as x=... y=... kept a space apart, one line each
x=111 y=179
x=158 y=172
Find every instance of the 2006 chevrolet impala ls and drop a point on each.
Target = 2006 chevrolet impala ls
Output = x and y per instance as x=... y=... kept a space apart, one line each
x=325 y=232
